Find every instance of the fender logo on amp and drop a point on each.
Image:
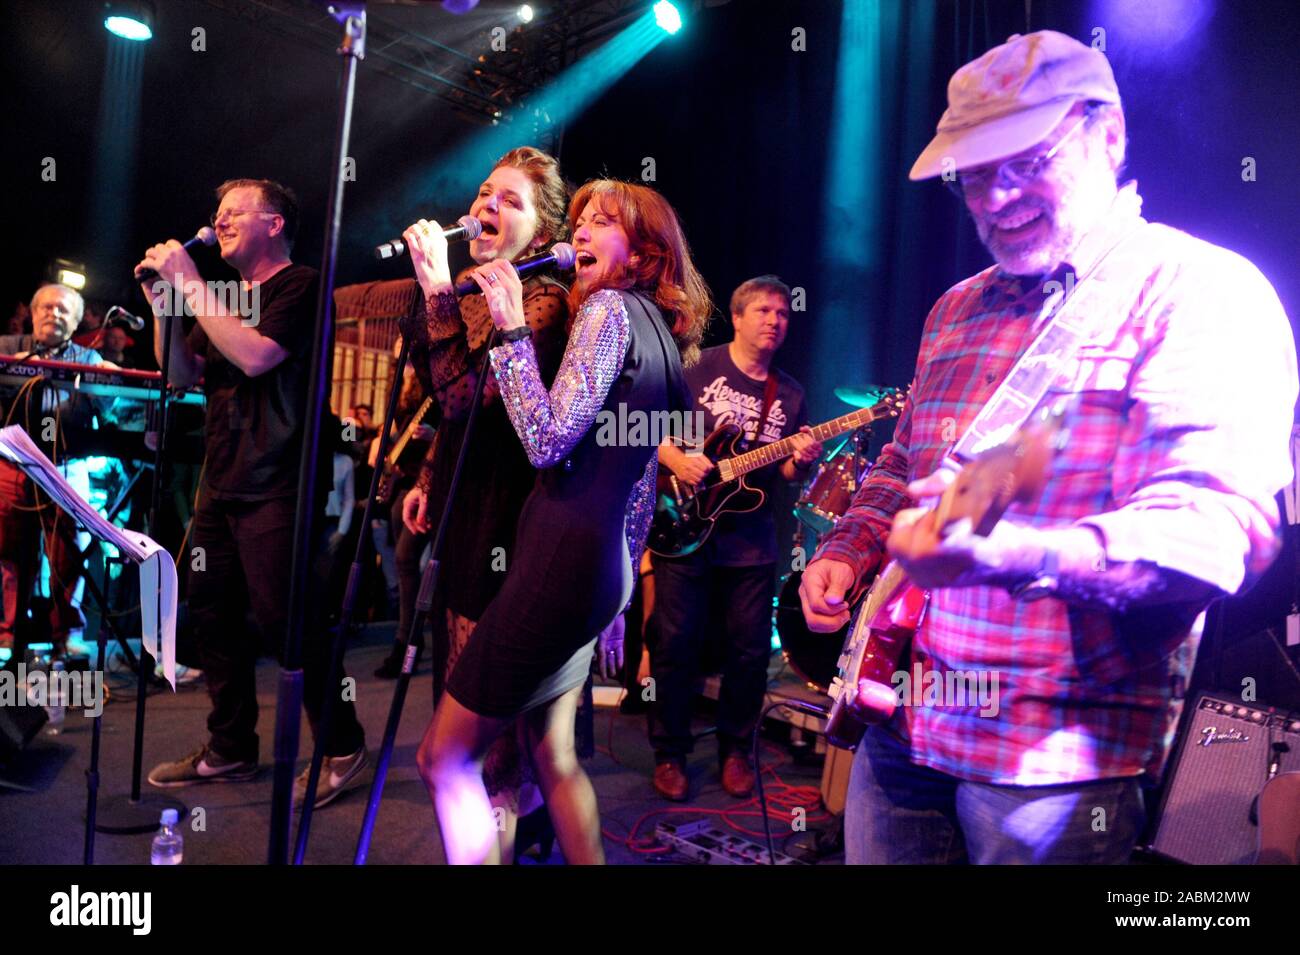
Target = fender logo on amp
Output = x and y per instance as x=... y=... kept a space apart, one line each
x=1211 y=734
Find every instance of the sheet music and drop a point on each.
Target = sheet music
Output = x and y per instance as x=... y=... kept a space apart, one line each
x=158 y=584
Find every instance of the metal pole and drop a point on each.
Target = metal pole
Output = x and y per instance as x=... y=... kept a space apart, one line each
x=352 y=16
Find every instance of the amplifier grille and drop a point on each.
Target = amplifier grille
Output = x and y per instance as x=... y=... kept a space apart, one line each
x=1221 y=766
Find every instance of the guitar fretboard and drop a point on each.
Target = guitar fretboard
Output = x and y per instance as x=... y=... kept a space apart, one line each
x=405 y=439
x=766 y=454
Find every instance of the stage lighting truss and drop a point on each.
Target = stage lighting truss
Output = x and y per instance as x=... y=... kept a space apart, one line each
x=476 y=79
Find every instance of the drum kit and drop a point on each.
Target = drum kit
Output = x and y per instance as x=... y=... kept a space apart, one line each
x=825 y=498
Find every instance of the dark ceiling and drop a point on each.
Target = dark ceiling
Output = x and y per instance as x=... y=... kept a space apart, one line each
x=737 y=124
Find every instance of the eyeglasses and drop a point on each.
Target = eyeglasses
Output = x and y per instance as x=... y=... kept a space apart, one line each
x=231 y=213
x=1014 y=172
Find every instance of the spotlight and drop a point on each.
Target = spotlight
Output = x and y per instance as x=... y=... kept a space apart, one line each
x=525 y=14
x=667 y=17
x=129 y=19
x=71 y=274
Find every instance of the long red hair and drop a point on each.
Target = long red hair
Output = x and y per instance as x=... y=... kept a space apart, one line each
x=665 y=270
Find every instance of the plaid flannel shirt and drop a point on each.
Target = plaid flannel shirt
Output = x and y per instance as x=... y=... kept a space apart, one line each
x=1178 y=444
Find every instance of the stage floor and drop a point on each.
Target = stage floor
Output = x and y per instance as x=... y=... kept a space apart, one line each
x=46 y=825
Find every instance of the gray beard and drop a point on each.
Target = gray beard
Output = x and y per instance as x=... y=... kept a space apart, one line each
x=1038 y=259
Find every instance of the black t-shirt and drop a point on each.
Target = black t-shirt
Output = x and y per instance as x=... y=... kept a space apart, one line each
x=727 y=395
x=253 y=431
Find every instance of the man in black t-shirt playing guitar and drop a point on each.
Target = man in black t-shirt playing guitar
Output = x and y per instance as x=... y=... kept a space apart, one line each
x=732 y=384
x=255 y=365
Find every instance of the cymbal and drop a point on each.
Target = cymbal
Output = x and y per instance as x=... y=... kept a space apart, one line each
x=863 y=397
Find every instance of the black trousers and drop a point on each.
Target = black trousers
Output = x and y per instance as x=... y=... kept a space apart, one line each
x=684 y=590
x=407 y=550
x=246 y=563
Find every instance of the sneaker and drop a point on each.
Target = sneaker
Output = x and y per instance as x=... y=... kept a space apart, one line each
x=336 y=772
x=201 y=766
x=184 y=675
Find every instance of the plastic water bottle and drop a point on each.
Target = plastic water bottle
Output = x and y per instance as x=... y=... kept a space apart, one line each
x=55 y=703
x=168 y=846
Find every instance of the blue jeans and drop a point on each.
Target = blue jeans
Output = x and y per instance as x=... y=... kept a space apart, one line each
x=898 y=812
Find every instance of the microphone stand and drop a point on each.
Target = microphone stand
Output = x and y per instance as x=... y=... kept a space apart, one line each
x=351 y=14
x=423 y=603
x=138 y=812
x=345 y=624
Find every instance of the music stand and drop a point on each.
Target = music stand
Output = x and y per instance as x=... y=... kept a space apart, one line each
x=157 y=590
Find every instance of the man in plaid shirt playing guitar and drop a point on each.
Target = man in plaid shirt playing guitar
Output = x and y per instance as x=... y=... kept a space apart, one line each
x=1161 y=500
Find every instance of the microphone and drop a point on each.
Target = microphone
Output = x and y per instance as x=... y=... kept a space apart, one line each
x=466 y=227
x=118 y=313
x=205 y=236
x=559 y=256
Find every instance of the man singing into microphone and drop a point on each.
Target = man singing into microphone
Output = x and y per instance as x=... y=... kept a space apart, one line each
x=255 y=370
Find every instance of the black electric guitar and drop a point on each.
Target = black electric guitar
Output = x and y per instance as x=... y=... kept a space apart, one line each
x=685 y=514
x=390 y=475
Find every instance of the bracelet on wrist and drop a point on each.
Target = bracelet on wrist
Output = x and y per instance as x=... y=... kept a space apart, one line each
x=515 y=334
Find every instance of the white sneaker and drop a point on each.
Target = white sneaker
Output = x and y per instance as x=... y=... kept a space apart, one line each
x=336 y=772
x=184 y=675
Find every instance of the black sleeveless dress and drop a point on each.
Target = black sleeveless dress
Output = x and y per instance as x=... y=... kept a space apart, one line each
x=571 y=572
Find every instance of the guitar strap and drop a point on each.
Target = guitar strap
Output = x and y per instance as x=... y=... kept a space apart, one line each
x=769 y=396
x=1096 y=305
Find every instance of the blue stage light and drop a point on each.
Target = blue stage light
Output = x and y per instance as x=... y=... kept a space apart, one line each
x=667 y=17
x=130 y=19
x=128 y=28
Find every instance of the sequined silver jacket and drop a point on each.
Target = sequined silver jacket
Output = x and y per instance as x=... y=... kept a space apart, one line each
x=551 y=423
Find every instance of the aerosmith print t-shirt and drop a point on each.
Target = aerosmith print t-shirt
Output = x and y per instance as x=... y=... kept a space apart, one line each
x=726 y=395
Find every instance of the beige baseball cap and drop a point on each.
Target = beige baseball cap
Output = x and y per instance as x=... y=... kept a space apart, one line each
x=1012 y=97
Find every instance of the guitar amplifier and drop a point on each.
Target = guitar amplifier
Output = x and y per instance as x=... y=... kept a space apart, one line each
x=1207 y=816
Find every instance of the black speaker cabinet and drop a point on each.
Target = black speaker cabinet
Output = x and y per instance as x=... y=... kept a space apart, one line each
x=1207 y=816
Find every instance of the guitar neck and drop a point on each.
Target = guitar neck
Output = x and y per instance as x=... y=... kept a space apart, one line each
x=405 y=439
x=769 y=453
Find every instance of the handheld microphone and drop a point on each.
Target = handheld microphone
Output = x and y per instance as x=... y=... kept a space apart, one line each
x=118 y=313
x=466 y=227
x=559 y=256
x=205 y=236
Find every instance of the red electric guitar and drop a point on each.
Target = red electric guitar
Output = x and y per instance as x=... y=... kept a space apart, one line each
x=863 y=693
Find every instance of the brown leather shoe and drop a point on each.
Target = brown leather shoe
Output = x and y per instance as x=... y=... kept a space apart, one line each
x=671 y=782
x=737 y=776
